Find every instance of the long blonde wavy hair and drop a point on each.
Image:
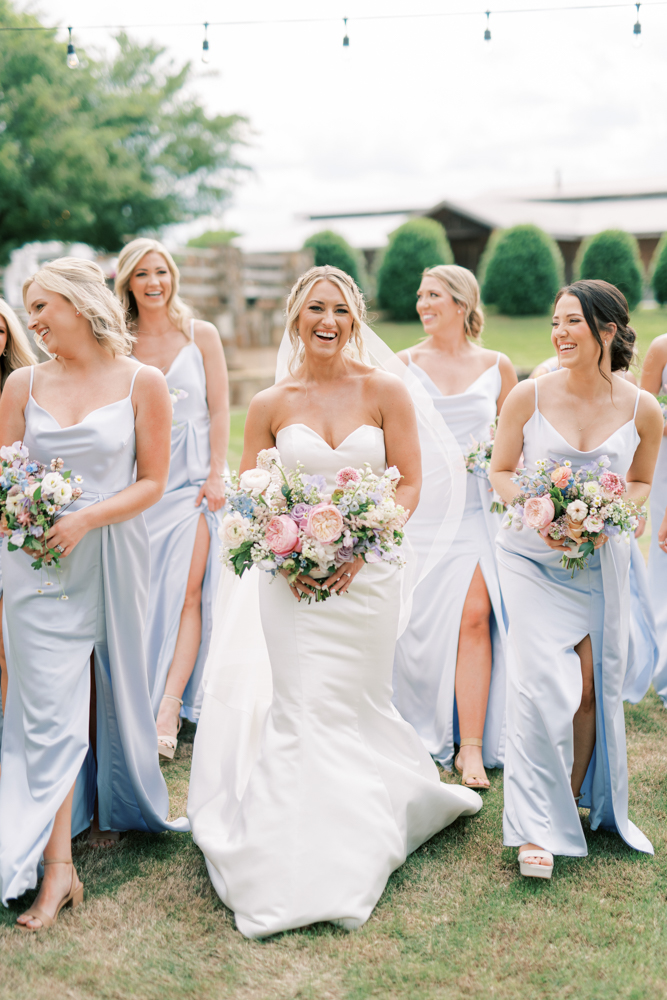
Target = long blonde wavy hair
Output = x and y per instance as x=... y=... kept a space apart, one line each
x=82 y=283
x=18 y=352
x=350 y=292
x=130 y=258
x=463 y=287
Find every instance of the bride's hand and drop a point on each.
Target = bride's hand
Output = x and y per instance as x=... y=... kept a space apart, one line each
x=303 y=586
x=339 y=581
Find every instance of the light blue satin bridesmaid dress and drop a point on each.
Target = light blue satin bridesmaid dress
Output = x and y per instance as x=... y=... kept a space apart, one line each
x=550 y=612
x=657 y=561
x=172 y=527
x=49 y=642
x=425 y=662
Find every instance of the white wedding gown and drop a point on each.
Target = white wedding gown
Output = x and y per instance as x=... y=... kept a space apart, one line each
x=307 y=788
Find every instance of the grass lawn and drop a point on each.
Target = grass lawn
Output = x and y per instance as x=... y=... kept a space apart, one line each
x=456 y=922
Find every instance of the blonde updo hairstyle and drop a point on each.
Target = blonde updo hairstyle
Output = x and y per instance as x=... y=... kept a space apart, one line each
x=350 y=292
x=83 y=284
x=463 y=288
x=130 y=258
x=18 y=352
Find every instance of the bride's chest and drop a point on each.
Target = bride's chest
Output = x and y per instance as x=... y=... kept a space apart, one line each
x=300 y=444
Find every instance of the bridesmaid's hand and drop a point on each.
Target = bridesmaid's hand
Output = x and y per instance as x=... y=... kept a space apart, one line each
x=67 y=532
x=641 y=527
x=559 y=546
x=662 y=534
x=339 y=581
x=214 y=491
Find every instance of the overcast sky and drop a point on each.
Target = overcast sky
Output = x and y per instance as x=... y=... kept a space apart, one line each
x=416 y=110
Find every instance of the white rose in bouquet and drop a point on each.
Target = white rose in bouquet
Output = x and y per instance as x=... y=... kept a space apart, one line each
x=62 y=493
x=50 y=483
x=267 y=457
x=255 y=480
x=233 y=531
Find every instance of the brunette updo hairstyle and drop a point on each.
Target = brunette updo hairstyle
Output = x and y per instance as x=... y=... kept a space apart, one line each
x=602 y=304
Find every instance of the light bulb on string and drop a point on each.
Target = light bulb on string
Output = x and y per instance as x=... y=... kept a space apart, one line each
x=346 y=40
x=637 y=30
x=487 y=32
x=72 y=57
x=205 y=56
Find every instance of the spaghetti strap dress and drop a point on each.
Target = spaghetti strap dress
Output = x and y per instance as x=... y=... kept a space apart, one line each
x=49 y=643
x=425 y=661
x=172 y=527
x=550 y=612
x=657 y=561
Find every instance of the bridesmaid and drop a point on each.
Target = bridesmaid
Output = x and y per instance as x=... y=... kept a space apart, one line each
x=183 y=526
x=568 y=636
x=449 y=662
x=654 y=380
x=102 y=413
x=15 y=352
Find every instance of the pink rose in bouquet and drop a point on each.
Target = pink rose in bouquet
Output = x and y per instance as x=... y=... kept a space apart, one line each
x=561 y=476
x=538 y=512
x=612 y=485
x=282 y=534
x=325 y=523
x=347 y=475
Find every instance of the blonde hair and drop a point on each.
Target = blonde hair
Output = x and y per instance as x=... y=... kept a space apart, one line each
x=130 y=257
x=18 y=352
x=350 y=292
x=463 y=288
x=82 y=283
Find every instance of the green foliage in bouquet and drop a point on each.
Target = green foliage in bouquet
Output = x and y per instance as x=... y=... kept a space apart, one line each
x=659 y=271
x=414 y=246
x=333 y=249
x=613 y=256
x=100 y=153
x=521 y=271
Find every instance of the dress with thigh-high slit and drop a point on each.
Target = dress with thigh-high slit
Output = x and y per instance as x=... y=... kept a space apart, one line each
x=426 y=653
x=550 y=612
x=49 y=642
x=172 y=528
x=657 y=561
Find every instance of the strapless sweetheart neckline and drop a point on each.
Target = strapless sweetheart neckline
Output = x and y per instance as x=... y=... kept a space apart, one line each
x=373 y=427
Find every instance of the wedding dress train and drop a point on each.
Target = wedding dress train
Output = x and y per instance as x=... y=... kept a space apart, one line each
x=308 y=789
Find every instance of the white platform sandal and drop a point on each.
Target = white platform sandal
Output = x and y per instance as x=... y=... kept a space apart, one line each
x=536 y=871
x=166 y=745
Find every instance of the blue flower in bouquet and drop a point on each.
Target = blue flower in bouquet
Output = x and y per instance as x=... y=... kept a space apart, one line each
x=244 y=504
x=611 y=530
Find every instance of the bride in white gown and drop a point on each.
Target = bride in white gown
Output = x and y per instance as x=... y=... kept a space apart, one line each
x=307 y=787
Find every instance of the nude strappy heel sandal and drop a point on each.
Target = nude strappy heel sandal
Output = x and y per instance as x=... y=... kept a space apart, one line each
x=471 y=742
x=73 y=898
x=536 y=871
x=166 y=745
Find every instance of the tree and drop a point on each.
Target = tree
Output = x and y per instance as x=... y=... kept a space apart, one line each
x=331 y=248
x=414 y=246
x=522 y=272
x=613 y=256
x=659 y=271
x=108 y=150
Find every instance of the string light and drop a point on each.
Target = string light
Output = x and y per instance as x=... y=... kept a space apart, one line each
x=72 y=57
x=637 y=30
x=205 y=57
x=487 y=31
x=346 y=40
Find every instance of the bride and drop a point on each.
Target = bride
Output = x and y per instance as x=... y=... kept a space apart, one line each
x=307 y=787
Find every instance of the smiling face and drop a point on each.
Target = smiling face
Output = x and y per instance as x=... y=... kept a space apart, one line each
x=436 y=307
x=572 y=337
x=151 y=282
x=4 y=333
x=325 y=321
x=54 y=321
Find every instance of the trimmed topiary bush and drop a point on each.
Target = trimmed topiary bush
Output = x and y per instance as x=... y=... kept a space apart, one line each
x=522 y=271
x=659 y=271
x=417 y=244
x=613 y=256
x=333 y=249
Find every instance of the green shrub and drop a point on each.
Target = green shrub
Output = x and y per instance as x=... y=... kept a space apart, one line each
x=331 y=248
x=613 y=256
x=415 y=245
x=522 y=271
x=213 y=238
x=659 y=271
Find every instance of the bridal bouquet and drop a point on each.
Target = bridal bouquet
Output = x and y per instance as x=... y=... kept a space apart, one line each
x=30 y=499
x=478 y=463
x=283 y=520
x=577 y=507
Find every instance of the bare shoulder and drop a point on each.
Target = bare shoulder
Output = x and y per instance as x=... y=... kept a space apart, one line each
x=149 y=379
x=17 y=387
x=648 y=408
x=657 y=350
x=387 y=388
x=505 y=365
x=404 y=356
x=264 y=403
x=205 y=333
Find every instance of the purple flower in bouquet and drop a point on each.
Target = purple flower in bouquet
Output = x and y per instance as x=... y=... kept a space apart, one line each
x=300 y=512
x=319 y=482
x=345 y=553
